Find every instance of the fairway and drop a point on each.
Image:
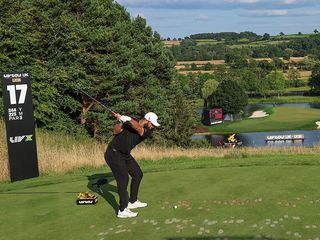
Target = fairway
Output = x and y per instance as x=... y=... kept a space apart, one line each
x=215 y=201
x=282 y=118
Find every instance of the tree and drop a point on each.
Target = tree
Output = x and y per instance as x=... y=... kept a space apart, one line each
x=249 y=80
x=263 y=87
x=314 y=80
x=294 y=78
x=209 y=87
x=278 y=63
x=266 y=36
x=179 y=127
x=220 y=73
x=230 y=96
x=276 y=82
x=316 y=31
x=287 y=54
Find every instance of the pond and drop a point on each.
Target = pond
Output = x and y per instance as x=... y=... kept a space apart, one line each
x=258 y=139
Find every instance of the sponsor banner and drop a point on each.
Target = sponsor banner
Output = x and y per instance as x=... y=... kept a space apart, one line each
x=21 y=140
x=285 y=137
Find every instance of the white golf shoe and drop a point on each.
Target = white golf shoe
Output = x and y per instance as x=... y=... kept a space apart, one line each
x=126 y=213
x=136 y=204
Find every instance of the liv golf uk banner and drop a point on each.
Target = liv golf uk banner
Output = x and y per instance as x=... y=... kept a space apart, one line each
x=21 y=139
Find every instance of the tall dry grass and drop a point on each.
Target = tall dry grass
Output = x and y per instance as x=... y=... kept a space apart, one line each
x=58 y=153
x=4 y=169
x=158 y=153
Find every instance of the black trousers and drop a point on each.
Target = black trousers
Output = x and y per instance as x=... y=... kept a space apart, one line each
x=123 y=165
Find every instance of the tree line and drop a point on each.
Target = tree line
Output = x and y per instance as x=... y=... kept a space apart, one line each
x=190 y=50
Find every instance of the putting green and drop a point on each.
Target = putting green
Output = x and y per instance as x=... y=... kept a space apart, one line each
x=252 y=202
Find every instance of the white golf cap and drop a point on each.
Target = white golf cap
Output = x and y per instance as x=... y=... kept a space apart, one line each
x=152 y=117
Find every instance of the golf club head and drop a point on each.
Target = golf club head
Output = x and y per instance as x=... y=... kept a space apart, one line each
x=101 y=181
x=100 y=189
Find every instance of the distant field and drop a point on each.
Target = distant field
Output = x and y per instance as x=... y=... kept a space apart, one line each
x=181 y=65
x=215 y=62
x=208 y=41
x=171 y=43
x=257 y=44
x=244 y=42
x=196 y=72
x=292 y=36
x=305 y=75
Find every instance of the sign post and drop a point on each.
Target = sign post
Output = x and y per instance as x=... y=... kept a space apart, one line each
x=21 y=139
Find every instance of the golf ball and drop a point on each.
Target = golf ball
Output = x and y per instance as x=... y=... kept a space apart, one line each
x=175 y=206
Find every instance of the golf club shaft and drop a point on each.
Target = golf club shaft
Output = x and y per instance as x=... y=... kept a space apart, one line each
x=92 y=98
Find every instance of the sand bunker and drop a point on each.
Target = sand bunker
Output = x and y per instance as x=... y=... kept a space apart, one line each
x=258 y=114
x=318 y=123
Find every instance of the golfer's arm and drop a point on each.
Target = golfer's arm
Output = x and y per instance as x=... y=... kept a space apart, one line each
x=117 y=128
x=136 y=126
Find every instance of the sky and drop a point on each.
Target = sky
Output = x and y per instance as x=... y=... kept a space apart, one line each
x=182 y=18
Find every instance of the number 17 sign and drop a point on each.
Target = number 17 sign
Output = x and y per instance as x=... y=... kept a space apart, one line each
x=21 y=139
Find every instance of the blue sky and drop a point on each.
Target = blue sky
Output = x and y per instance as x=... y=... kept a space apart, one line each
x=181 y=18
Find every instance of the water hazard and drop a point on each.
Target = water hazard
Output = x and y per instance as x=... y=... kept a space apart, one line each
x=258 y=139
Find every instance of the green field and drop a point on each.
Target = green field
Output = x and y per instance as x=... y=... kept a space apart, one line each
x=281 y=119
x=266 y=197
x=285 y=99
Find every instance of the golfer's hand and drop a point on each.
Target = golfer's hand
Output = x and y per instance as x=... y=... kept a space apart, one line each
x=125 y=118
x=118 y=116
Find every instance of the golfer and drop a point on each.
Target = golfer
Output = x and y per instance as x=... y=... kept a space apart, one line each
x=127 y=134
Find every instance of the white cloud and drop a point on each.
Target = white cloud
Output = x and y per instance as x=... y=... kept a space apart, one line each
x=242 y=1
x=202 y=17
x=289 y=1
x=267 y=13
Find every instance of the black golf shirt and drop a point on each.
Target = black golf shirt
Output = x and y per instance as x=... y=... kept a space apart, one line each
x=125 y=141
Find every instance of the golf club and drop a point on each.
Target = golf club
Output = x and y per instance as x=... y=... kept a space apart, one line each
x=92 y=98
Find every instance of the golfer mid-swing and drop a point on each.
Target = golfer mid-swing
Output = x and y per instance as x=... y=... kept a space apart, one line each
x=127 y=135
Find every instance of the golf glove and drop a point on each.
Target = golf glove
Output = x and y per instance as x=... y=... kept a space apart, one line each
x=125 y=118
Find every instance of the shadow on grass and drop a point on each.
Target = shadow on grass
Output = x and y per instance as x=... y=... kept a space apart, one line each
x=226 y=237
x=108 y=190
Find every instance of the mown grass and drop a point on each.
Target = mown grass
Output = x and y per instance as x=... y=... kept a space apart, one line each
x=282 y=118
x=233 y=197
x=285 y=99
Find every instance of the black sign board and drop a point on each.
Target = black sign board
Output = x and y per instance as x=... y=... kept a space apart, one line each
x=21 y=139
